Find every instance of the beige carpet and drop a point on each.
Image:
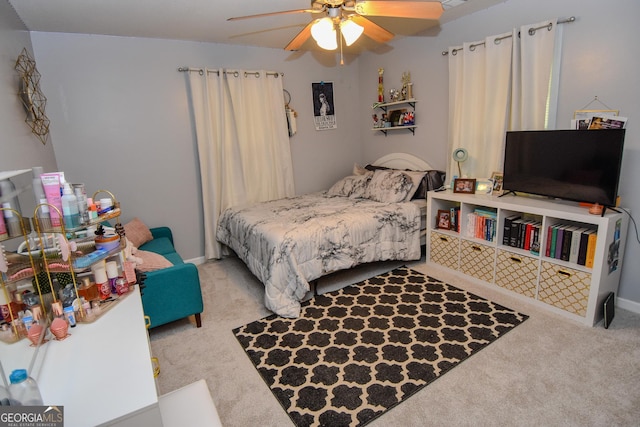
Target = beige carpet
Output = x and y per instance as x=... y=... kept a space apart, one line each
x=549 y=371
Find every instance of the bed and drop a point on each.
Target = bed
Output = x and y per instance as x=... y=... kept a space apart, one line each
x=375 y=214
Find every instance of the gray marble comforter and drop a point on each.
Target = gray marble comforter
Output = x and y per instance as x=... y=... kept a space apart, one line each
x=288 y=242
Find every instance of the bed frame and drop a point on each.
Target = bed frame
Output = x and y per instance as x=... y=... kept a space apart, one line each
x=403 y=161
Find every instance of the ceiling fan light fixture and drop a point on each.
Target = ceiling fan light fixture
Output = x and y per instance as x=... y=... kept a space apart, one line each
x=324 y=33
x=350 y=31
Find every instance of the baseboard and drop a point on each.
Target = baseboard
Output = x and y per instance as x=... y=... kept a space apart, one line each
x=628 y=305
x=196 y=261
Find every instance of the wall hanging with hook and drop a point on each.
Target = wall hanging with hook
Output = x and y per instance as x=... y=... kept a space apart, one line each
x=290 y=113
x=603 y=117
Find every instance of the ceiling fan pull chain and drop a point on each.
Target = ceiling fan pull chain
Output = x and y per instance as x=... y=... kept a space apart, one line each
x=341 y=56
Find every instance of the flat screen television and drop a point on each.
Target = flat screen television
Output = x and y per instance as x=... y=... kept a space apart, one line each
x=577 y=165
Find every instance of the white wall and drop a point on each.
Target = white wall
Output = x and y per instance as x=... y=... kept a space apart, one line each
x=600 y=58
x=120 y=121
x=19 y=147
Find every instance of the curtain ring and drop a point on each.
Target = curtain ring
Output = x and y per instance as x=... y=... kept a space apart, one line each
x=454 y=52
x=257 y=75
x=472 y=47
x=201 y=72
x=497 y=41
x=550 y=26
x=532 y=31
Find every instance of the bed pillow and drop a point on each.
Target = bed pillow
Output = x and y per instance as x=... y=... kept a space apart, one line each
x=416 y=179
x=388 y=186
x=137 y=232
x=359 y=170
x=432 y=180
x=353 y=186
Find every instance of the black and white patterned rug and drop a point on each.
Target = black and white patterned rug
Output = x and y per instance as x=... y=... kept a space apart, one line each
x=357 y=352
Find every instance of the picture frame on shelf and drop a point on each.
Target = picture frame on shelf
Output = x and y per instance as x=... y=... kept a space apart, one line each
x=444 y=219
x=484 y=186
x=497 y=178
x=464 y=185
x=395 y=116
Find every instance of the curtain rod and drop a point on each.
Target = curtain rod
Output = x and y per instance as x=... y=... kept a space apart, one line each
x=532 y=31
x=235 y=73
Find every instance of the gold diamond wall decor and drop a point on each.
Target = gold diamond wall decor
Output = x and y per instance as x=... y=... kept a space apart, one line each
x=32 y=98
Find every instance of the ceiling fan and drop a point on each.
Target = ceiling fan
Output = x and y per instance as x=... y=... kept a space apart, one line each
x=350 y=17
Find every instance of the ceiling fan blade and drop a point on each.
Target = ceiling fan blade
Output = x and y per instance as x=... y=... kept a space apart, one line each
x=300 y=38
x=372 y=30
x=282 y=12
x=400 y=9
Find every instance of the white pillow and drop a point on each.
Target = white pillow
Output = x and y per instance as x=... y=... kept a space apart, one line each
x=359 y=170
x=389 y=186
x=352 y=184
x=416 y=179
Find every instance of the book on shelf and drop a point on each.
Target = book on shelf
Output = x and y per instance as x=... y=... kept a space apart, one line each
x=587 y=247
x=506 y=229
x=480 y=226
x=485 y=212
x=554 y=240
x=529 y=235
x=515 y=232
x=591 y=249
x=454 y=218
x=522 y=233
x=547 y=247
x=582 y=249
x=575 y=244
x=568 y=242
x=532 y=234
x=559 y=238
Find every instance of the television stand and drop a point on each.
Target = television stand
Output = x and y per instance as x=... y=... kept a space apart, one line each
x=486 y=246
x=507 y=193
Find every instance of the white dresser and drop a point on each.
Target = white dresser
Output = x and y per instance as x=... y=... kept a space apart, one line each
x=102 y=374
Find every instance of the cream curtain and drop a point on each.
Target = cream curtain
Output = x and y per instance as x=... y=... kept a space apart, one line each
x=505 y=82
x=243 y=142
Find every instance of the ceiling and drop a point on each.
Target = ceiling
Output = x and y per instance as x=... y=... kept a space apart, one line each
x=206 y=20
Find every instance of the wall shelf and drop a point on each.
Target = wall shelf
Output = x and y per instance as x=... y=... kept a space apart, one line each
x=411 y=128
x=388 y=107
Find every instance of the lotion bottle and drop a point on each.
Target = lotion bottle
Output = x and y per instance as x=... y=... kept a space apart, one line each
x=70 y=207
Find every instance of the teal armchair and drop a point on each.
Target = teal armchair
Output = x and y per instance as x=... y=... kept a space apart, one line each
x=170 y=293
